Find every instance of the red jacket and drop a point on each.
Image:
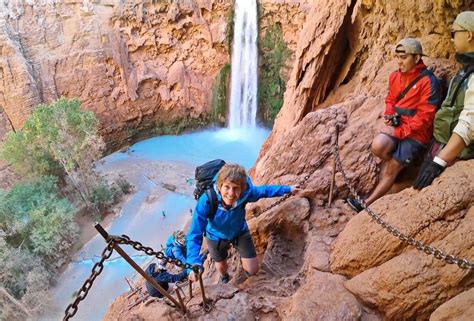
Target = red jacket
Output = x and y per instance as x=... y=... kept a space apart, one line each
x=418 y=107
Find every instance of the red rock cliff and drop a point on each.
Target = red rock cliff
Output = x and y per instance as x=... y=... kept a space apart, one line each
x=136 y=64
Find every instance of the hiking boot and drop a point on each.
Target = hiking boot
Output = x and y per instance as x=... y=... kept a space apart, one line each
x=354 y=204
x=224 y=279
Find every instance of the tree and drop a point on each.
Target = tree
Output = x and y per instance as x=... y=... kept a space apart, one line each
x=58 y=139
x=32 y=216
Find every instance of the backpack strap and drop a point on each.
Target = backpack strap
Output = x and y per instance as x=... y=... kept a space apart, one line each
x=469 y=71
x=413 y=82
x=212 y=201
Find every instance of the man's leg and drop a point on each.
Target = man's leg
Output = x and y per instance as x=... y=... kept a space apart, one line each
x=389 y=173
x=383 y=146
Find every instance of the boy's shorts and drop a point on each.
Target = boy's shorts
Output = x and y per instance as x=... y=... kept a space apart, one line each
x=407 y=150
x=243 y=243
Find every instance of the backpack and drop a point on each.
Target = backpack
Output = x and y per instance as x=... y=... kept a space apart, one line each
x=204 y=175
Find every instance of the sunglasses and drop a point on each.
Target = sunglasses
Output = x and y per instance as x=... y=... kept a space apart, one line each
x=453 y=32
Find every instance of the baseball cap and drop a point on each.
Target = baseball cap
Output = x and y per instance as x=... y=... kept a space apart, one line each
x=409 y=46
x=466 y=20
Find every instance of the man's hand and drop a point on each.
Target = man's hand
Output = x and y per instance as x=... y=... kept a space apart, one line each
x=389 y=130
x=427 y=174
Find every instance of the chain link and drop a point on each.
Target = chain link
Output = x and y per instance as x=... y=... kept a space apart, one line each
x=300 y=183
x=106 y=253
x=84 y=290
x=124 y=239
x=440 y=255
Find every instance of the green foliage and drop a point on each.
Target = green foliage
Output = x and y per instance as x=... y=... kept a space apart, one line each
x=103 y=196
x=229 y=31
x=25 y=277
x=58 y=139
x=34 y=217
x=178 y=126
x=123 y=184
x=272 y=87
x=55 y=138
x=220 y=93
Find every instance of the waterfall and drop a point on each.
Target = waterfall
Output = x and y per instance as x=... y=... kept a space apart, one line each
x=243 y=92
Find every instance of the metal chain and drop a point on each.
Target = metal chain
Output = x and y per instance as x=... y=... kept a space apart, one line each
x=440 y=255
x=84 y=290
x=124 y=239
x=300 y=183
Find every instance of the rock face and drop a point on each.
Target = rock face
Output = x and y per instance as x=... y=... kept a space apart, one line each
x=320 y=263
x=396 y=278
x=340 y=76
x=343 y=51
x=460 y=308
x=139 y=65
x=317 y=263
x=290 y=15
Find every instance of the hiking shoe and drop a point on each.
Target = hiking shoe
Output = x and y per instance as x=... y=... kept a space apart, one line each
x=354 y=204
x=224 y=279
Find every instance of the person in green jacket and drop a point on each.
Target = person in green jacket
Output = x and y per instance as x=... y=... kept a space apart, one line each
x=454 y=122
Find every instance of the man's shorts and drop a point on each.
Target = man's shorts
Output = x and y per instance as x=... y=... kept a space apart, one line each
x=407 y=150
x=243 y=243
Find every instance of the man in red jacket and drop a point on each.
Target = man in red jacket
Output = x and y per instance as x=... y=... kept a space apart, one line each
x=410 y=108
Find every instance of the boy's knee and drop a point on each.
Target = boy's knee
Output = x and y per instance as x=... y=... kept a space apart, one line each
x=252 y=270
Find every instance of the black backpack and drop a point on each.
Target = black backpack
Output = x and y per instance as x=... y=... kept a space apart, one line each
x=204 y=175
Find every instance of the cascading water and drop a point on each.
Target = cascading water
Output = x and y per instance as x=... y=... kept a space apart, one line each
x=243 y=93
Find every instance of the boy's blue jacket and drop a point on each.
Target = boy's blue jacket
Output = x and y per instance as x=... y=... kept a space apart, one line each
x=226 y=224
x=174 y=250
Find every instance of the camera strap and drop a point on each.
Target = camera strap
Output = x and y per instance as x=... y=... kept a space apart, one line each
x=414 y=81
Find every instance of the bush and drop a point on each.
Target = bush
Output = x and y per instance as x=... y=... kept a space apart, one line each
x=33 y=216
x=103 y=196
x=25 y=278
x=123 y=184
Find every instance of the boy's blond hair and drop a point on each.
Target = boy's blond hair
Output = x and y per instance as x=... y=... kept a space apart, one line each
x=233 y=173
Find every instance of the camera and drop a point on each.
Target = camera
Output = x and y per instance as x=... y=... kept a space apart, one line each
x=393 y=119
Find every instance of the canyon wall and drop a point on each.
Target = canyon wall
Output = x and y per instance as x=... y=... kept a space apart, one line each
x=136 y=64
x=144 y=67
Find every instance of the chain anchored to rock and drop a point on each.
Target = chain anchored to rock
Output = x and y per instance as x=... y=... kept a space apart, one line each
x=114 y=241
x=440 y=255
x=113 y=244
x=71 y=309
x=301 y=183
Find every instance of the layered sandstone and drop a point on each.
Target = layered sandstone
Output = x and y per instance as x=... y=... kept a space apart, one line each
x=139 y=65
x=136 y=64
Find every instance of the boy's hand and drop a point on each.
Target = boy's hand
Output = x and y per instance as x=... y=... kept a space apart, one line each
x=295 y=189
